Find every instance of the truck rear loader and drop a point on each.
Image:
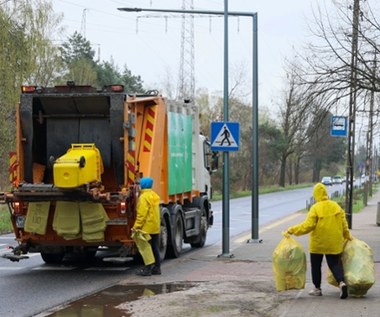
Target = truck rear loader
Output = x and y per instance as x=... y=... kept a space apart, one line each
x=80 y=152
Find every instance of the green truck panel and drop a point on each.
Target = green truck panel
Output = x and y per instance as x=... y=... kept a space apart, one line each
x=180 y=153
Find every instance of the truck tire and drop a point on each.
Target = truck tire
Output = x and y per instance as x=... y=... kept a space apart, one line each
x=200 y=241
x=176 y=239
x=163 y=246
x=52 y=258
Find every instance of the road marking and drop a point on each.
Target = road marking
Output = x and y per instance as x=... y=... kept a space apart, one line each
x=54 y=268
x=106 y=269
x=266 y=228
x=11 y=268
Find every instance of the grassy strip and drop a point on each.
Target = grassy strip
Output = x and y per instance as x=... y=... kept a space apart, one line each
x=262 y=190
x=5 y=220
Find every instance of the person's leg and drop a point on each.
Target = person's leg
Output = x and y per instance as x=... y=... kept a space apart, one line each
x=154 y=242
x=335 y=265
x=316 y=274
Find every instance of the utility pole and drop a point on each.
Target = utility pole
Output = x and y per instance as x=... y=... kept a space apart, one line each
x=255 y=101
x=368 y=166
x=352 y=113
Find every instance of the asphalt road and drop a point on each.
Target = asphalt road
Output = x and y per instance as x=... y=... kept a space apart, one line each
x=30 y=286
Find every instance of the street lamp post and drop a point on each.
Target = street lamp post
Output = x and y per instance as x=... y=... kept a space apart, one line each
x=352 y=114
x=255 y=156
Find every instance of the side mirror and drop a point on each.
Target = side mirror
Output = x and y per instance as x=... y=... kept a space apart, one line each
x=214 y=161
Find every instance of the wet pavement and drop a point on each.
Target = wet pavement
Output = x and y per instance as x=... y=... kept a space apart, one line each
x=105 y=302
x=250 y=263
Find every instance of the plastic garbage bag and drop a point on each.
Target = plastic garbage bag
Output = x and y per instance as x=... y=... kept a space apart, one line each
x=289 y=264
x=358 y=266
x=142 y=242
x=37 y=217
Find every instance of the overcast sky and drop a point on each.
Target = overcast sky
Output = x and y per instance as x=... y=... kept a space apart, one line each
x=151 y=47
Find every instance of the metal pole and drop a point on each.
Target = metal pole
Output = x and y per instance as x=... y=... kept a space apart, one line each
x=352 y=115
x=226 y=166
x=255 y=129
x=369 y=167
x=255 y=136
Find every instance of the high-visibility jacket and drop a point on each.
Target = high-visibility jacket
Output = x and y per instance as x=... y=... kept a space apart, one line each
x=326 y=222
x=148 y=212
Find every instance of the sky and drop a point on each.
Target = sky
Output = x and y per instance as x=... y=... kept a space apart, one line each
x=149 y=44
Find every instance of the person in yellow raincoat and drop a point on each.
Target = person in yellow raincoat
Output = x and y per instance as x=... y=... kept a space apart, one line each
x=326 y=222
x=148 y=221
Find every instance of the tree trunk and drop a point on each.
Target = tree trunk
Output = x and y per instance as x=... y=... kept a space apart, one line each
x=297 y=171
x=282 y=171
x=316 y=171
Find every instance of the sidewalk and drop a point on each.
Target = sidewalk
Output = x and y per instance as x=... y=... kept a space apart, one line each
x=251 y=269
x=303 y=305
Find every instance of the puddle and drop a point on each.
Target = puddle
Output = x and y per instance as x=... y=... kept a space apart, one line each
x=103 y=303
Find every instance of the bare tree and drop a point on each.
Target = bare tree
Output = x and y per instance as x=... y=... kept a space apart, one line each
x=326 y=63
x=294 y=111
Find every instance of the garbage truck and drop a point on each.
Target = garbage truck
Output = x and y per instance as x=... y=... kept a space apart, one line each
x=80 y=153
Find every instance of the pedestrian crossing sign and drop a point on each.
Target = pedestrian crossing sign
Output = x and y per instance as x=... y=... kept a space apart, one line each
x=225 y=136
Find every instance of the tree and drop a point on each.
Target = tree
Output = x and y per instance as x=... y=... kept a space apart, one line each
x=27 y=55
x=293 y=118
x=77 y=47
x=327 y=63
x=132 y=83
x=324 y=151
x=271 y=144
x=78 y=60
x=109 y=74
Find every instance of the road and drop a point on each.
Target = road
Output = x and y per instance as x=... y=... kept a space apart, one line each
x=30 y=286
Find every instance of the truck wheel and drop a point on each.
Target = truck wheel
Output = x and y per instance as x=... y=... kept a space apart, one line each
x=176 y=241
x=52 y=258
x=163 y=239
x=201 y=239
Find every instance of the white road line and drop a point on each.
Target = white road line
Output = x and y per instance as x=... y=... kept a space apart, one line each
x=53 y=268
x=11 y=268
x=106 y=269
x=271 y=226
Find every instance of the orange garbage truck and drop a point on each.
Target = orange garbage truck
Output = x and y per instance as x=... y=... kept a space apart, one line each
x=80 y=152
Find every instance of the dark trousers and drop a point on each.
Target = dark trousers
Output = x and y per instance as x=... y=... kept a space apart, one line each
x=334 y=264
x=155 y=242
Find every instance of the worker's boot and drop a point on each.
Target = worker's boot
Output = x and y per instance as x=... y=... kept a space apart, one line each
x=156 y=270
x=145 y=271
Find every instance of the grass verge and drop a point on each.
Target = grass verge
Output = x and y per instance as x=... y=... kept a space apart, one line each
x=5 y=220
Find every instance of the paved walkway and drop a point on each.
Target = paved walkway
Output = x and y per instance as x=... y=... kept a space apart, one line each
x=364 y=227
x=253 y=261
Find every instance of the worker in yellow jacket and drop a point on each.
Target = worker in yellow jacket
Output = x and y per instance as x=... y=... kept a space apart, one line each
x=148 y=222
x=326 y=222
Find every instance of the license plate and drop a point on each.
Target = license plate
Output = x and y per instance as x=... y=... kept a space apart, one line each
x=20 y=221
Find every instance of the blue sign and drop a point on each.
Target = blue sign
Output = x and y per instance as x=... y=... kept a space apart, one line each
x=225 y=136
x=338 y=126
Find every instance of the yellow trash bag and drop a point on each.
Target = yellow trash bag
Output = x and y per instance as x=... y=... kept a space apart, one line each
x=37 y=217
x=358 y=266
x=142 y=242
x=289 y=264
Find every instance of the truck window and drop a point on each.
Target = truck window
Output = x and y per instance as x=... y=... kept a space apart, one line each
x=211 y=157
